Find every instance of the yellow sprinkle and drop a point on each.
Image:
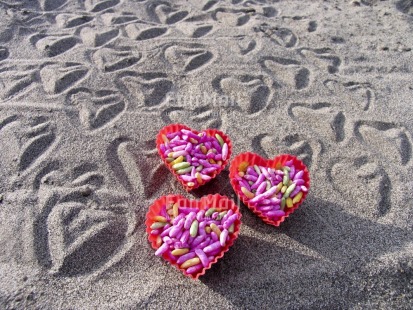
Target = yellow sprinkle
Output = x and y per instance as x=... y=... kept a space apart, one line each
x=156 y=225
x=208 y=230
x=203 y=149
x=159 y=218
x=171 y=154
x=297 y=198
x=158 y=241
x=219 y=162
x=289 y=202
x=170 y=212
x=247 y=193
x=165 y=139
x=179 y=252
x=212 y=161
x=215 y=229
x=178 y=160
x=220 y=140
x=279 y=186
x=290 y=182
x=191 y=262
x=241 y=174
x=190 y=184
x=175 y=209
x=283 y=189
x=198 y=177
x=243 y=166
x=193 y=141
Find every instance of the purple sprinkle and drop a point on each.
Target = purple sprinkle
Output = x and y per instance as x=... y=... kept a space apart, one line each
x=292 y=172
x=266 y=208
x=200 y=156
x=166 y=231
x=176 y=220
x=194 y=269
x=218 y=157
x=289 y=163
x=217 y=146
x=208 y=170
x=304 y=189
x=203 y=244
x=250 y=177
x=296 y=190
x=188 y=147
x=205 y=163
x=257 y=183
x=223 y=237
x=155 y=232
x=179 y=148
x=189 y=219
x=267 y=194
x=187 y=178
x=212 y=247
x=265 y=172
x=299 y=175
x=205 y=177
x=188 y=158
x=198 y=240
x=214 y=236
x=261 y=188
x=245 y=184
x=190 y=134
x=275 y=213
x=230 y=221
x=162 y=249
x=210 y=155
x=208 y=145
x=201 y=228
x=226 y=216
x=172 y=135
x=202 y=256
x=182 y=259
x=200 y=215
x=224 y=151
x=251 y=171
x=163 y=149
x=299 y=182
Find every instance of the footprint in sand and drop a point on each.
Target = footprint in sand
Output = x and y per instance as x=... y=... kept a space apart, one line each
x=389 y=141
x=281 y=36
x=206 y=115
x=322 y=58
x=304 y=148
x=359 y=95
x=95 y=38
x=325 y=120
x=166 y=13
x=138 y=168
x=188 y=57
x=26 y=141
x=148 y=89
x=111 y=60
x=55 y=45
x=72 y=20
x=141 y=32
x=100 y=5
x=79 y=230
x=61 y=77
x=365 y=183
x=286 y=72
x=97 y=109
x=249 y=92
x=18 y=81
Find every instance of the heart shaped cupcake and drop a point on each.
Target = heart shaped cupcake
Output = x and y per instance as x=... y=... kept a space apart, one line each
x=192 y=235
x=271 y=188
x=193 y=157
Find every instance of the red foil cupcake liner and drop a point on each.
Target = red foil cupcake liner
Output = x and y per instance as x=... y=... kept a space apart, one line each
x=221 y=203
x=211 y=132
x=276 y=163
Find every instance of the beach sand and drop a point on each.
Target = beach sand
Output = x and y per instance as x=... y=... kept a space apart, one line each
x=87 y=85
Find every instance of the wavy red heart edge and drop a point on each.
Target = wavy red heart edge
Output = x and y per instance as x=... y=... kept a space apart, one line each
x=272 y=189
x=192 y=235
x=193 y=157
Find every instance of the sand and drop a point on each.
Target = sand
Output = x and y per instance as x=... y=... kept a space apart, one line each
x=86 y=86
